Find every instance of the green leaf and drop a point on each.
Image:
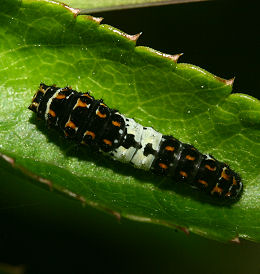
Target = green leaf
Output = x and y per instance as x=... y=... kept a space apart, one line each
x=104 y=5
x=43 y=41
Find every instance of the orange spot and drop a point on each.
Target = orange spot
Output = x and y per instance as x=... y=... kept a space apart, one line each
x=108 y=142
x=116 y=124
x=101 y=115
x=210 y=168
x=203 y=182
x=60 y=96
x=184 y=174
x=52 y=113
x=234 y=181
x=169 y=148
x=81 y=104
x=34 y=104
x=162 y=165
x=41 y=89
x=191 y=158
x=216 y=189
x=228 y=194
x=70 y=124
x=103 y=105
x=224 y=175
x=87 y=95
x=91 y=133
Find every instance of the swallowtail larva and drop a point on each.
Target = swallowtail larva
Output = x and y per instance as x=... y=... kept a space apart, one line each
x=91 y=122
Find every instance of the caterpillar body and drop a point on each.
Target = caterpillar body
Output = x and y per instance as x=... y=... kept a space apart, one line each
x=91 y=122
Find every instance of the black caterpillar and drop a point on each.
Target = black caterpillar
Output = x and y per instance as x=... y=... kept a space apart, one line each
x=91 y=122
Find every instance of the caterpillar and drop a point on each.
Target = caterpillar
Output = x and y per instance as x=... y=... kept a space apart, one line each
x=91 y=122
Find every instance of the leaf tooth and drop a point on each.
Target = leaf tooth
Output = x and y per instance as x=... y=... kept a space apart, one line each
x=183 y=229
x=235 y=240
x=129 y=37
x=117 y=215
x=114 y=213
x=228 y=82
x=40 y=179
x=157 y=221
x=73 y=195
x=75 y=11
x=95 y=19
x=25 y=171
x=8 y=159
x=176 y=57
x=171 y=57
x=134 y=37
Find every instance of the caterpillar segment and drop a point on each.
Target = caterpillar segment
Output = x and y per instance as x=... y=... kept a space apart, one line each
x=91 y=122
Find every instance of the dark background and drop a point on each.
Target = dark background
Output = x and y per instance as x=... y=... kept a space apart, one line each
x=222 y=37
x=47 y=233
